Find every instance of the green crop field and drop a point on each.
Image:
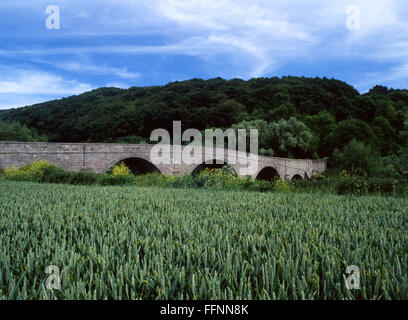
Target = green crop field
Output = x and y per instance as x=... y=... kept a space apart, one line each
x=152 y=243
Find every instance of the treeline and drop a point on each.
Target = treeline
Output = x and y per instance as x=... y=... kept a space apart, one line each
x=15 y=131
x=297 y=117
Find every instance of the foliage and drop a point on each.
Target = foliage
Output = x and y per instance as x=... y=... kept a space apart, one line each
x=401 y=160
x=264 y=132
x=112 y=180
x=157 y=243
x=356 y=129
x=404 y=132
x=32 y=172
x=131 y=139
x=291 y=138
x=283 y=186
x=266 y=152
x=363 y=186
x=323 y=125
x=43 y=171
x=356 y=158
x=221 y=179
x=121 y=170
x=83 y=178
x=332 y=111
x=14 y=131
x=224 y=178
x=284 y=138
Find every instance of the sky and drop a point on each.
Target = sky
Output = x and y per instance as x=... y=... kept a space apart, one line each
x=124 y=43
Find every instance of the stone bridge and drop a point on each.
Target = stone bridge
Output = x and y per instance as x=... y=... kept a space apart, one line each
x=99 y=157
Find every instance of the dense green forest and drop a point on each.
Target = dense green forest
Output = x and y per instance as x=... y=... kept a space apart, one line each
x=297 y=117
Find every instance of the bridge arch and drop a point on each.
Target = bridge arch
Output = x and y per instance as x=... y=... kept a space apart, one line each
x=137 y=165
x=297 y=177
x=212 y=165
x=269 y=174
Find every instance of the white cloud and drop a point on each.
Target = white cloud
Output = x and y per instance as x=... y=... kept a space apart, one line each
x=22 y=81
x=254 y=38
x=253 y=34
x=395 y=77
x=15 y=100
x=239 y=17
x=122 y=73
x=21 y=87
x=254 y=28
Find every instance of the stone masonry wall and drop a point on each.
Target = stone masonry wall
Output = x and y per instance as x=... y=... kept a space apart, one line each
x=98 y=157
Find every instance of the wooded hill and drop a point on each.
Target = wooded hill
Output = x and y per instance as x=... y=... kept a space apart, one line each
x=297 y=116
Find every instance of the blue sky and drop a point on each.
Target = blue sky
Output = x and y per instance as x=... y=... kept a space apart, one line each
x=127 y=43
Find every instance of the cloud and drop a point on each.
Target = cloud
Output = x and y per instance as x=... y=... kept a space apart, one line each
x=15 y=100
x=122 y=73
x=254 y=35
x=255 y=29
x=394 y=77
x=228 y=38
x=19 y=87
x=26 y=81
x=275 y=33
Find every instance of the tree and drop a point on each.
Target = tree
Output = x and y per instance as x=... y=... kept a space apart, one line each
x=354 y=129
x=14 y=131
x=323 y=126
x=291 y=138
x=356 y=158
x=386 y=135
x=380 y=90
x=364 y=107
x=333 y=111
x=404 y=133
x=264 y=132
x=227 y=111
x=282 y=111
x=403 y=153
x=131 y=139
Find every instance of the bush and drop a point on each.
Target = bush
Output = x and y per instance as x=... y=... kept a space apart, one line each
x=318 y=177
x=361 y=186
x=111 y=180
x=152 y=179
x=121 y=170
x=35 y=171
x=83 y=178
x=283 y=186
x=356 y=158
x=352 y=185
x=318 y=185
x=219 y=179
x=43 y=171
x=55 y=175
x=15 y=131
x=261 y=185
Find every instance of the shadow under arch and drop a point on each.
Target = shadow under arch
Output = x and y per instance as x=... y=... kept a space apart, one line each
x=139 y=166
x=268 y=174
x=297 y=177
x=213 y=165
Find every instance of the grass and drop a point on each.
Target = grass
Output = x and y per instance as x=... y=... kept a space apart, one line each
x=127 y=242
